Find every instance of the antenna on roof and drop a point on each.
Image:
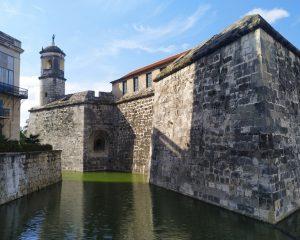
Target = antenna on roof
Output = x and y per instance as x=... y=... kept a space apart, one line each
x=53 y=37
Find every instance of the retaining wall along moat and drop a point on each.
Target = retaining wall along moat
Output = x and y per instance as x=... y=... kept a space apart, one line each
x=23 y=173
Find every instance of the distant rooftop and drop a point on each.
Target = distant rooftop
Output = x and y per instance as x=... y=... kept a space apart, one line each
x=152 y=66
x=10 y=42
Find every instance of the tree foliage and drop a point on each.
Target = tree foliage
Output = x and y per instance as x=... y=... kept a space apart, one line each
x=26 y=144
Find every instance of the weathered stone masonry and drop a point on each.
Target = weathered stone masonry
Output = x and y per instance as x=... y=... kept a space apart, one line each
x=226 y=123
x=24 y=173
x=133 y=133
x=73 y=123
x=62 y=128
x=221 y=124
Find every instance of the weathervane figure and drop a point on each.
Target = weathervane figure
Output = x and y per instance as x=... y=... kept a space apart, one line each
x=53 y=37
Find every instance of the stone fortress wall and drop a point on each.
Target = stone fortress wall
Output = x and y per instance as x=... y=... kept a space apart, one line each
x=63 y=128
x=226 y=124
x=133 y=132
x=24 y=173
x=76 y=122
x=221 y=125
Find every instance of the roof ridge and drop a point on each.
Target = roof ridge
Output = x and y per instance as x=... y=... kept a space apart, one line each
x=230 y=34
x=151 y=65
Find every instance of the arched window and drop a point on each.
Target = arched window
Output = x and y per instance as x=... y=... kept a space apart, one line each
x=99 y=145
x=49 y=64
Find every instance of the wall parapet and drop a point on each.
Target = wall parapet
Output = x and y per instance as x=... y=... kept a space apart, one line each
x=81 y=98
x=135 y=96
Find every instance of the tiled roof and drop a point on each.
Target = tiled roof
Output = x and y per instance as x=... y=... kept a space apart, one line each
x=152 y=66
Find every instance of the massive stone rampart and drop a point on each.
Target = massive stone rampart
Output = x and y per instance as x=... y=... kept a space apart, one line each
x=226 y=126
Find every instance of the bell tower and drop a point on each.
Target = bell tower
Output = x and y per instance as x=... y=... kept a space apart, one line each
x=52 y=85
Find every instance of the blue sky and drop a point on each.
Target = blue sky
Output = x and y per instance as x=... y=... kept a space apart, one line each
x=104 y=39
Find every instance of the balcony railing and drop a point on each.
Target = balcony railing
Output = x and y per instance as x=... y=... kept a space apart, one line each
x=4 y=112
x=13 y=90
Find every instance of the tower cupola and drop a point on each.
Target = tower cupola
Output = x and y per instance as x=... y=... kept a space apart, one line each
x=52 y=77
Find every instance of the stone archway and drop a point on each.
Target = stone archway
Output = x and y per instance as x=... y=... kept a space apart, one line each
x=98 y=151
x=100 y=143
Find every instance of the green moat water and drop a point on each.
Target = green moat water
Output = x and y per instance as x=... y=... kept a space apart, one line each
x=124 y=206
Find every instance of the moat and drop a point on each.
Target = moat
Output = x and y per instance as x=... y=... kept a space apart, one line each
x=125 y=206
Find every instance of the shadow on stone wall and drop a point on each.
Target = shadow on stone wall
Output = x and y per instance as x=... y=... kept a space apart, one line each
x=123 y=144
x=106 y=122
x=225 y=147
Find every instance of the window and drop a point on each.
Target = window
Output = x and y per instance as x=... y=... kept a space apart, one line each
x=55 y=63
x=6 y=69
x=99 y=145
x=6 y=76
x=148 y=79
x=135 y=84
x=6 y=61
x=124 y=87
x=46 y=94
x=49 y=64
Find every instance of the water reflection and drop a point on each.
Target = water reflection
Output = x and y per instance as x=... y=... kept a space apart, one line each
x=79 y=209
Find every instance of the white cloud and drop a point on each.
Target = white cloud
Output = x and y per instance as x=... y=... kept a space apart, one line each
x=147 y=38
x=131 y=44
x=143 y=38
x=161 y=7
x=175 y=26
x=271 y=15
x=191 y=20
x=10 y=8
x=13 y=9
x=38 y=8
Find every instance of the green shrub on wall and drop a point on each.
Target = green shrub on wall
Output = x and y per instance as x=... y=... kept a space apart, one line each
x=26 y=144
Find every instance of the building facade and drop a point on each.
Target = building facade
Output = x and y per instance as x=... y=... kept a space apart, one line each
x=219 y=123
x=141 y=78
x=10 y=92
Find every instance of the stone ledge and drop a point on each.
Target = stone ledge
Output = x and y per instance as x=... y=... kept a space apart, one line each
x=136 y=96
x=22 y=153
x=232 y=33
x=80 y=98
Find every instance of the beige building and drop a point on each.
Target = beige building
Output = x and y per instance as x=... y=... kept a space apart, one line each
x=10 y=92
x=141 y=78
